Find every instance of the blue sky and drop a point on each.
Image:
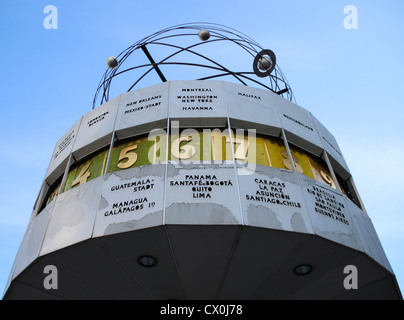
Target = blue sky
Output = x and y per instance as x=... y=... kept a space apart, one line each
x=351 y=80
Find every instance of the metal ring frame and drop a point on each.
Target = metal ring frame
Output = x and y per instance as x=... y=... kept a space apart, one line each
x=276 y=80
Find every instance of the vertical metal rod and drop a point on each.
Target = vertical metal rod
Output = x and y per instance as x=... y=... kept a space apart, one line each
x=351 y=181
x=111 y=146
x=292 y=162
x=235 y=169
x=330 y=168
x=113 y=138
x=65 y=174
x=298 y=179
x=267 y=151
x=166 y=162
x=44 y=189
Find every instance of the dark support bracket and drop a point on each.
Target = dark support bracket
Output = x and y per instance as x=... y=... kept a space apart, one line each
x=155 y=66
x=282 y=91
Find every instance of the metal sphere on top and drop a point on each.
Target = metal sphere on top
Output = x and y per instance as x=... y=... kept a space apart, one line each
x=112 y=62
x=265 y=63
x=204 y=35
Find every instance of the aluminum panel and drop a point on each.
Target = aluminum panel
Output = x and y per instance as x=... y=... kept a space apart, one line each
x=298 y=124
x=201 y=194
x=96 y=128
x=31 y=244
x=251 y=105
x=330 y=144
x=131 y=199
x=73 y=217
x=61 y=153
x=367 y=233
x=142 y=107
x=329 y=214
x=272 y=198
x=197 y=103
